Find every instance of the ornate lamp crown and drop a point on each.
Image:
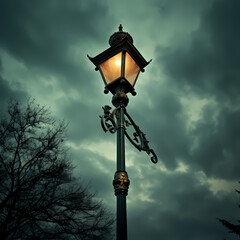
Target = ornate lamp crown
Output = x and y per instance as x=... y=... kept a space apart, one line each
x=119 y=36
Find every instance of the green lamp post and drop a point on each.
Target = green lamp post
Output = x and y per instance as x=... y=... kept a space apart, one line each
x=119 y=67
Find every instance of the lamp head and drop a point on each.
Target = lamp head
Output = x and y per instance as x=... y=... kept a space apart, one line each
x=120 y=64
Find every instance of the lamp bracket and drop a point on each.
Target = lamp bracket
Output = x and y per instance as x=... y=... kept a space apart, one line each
x=135 y=135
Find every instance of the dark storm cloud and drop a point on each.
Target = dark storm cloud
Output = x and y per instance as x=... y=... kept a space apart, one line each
x=165 y=126
x=84 y=121
x=209 y=68
x=6 y=93
x=219 y=144
x=182 y=207
x=45 y=36
x=100 y=181
x=210 y=64
x=40 y=32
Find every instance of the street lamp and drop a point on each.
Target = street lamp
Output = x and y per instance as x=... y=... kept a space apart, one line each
x=120 y=66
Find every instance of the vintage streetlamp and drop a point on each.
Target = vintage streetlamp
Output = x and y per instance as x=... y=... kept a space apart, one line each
x=119 y=66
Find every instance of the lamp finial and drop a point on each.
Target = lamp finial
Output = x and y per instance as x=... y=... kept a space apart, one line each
x=120 y=28
x=120 y=36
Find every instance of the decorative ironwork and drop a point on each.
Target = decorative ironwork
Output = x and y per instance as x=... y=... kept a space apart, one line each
x=137 y=138
x=108 y=120
x=121 y=182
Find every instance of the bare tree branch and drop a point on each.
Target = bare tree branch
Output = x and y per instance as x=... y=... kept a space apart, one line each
x=39 y=198
x=234 y=228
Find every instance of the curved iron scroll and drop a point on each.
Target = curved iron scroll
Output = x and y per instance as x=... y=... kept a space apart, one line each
x=108 y=123
x=139 y=138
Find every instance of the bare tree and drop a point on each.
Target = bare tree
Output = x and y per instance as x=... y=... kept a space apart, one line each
x=234 y=228
x=39 y=198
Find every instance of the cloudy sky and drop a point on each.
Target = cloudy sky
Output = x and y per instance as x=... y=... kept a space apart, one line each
x=187 y=102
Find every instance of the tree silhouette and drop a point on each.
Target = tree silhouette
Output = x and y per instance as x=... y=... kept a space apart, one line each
x=39 y=198
x=234 y=228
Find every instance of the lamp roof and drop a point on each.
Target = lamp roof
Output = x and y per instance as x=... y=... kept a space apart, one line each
x=120 y=41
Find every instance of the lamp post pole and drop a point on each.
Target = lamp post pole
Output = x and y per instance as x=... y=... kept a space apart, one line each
x=121 y=181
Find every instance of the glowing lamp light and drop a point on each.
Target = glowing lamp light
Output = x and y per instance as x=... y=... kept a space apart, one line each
x=120 y=64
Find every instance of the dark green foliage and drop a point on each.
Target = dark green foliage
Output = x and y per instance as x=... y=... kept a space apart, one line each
x=39 y=198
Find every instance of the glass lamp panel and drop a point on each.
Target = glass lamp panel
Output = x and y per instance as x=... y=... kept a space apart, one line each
x=131 y=69
x=111 y=69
